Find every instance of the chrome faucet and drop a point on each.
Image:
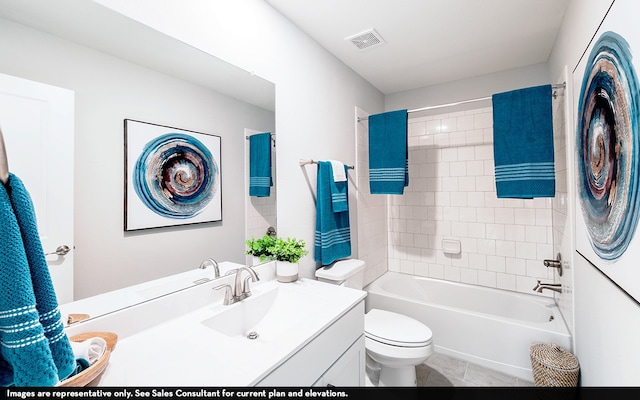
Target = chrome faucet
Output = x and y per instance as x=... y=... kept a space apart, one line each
x=556 y=287
x=242 y=292
x=214 y=264
x=238 y=292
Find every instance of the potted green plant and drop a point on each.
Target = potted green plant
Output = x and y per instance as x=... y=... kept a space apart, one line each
x=287 y=253
x=260 y=248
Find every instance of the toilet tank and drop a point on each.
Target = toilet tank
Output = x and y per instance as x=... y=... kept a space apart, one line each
x=349 y=273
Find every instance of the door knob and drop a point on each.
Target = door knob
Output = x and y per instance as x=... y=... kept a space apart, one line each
x=60 y=250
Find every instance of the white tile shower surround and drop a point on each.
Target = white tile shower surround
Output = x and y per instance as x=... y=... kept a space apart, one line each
x=452 y=195
x=261 y=214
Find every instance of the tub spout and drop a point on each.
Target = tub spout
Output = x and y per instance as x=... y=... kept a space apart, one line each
x=556 y=287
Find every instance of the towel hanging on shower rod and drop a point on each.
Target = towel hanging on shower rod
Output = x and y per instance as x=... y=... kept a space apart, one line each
x=457 y=103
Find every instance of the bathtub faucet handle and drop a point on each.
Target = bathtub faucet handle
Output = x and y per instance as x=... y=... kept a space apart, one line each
x=557 y=263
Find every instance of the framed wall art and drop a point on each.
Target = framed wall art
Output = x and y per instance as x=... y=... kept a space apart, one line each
x=172 y=176
x=606 y=94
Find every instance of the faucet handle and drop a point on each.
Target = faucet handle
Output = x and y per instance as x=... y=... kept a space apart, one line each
x=557 y=263
x=228 y=294
x=231 y=271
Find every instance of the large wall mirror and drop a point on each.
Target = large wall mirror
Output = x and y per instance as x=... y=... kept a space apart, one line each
x=120 y=69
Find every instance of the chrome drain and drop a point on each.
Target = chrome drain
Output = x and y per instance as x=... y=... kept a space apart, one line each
x=252 y=335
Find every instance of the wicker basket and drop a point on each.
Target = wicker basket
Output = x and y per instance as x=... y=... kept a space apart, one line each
x=553 y=366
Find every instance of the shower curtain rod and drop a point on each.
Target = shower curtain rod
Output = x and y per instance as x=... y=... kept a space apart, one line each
x=555 y=86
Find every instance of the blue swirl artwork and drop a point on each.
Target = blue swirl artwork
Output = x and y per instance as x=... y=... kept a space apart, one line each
x=176 y=176
x=607 y=146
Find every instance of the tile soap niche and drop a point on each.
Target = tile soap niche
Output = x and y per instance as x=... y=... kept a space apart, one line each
x=451 y=246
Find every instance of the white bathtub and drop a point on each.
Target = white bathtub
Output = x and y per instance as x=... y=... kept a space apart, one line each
x=491 y=327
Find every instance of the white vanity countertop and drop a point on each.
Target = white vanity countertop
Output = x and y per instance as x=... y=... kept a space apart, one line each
x=179 y=350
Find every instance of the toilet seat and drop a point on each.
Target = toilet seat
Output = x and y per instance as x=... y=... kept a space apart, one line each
x=395 y=329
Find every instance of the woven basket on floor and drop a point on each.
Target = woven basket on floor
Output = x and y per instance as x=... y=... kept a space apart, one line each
x=553 y=366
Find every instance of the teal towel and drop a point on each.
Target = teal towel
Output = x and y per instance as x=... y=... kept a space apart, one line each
x=260 y=178
x=388 y=153
x=333 y=232
x=523 y=143
x=339 y=192
x=34 y=349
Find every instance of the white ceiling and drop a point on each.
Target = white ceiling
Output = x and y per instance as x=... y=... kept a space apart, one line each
x=90 y=24
x=430 y=41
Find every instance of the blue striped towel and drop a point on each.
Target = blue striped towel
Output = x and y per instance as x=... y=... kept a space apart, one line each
x=34 y=349
x=523 y=143
x=388 y=153
x=339 y=186
x=260 y=179
x=333 y=232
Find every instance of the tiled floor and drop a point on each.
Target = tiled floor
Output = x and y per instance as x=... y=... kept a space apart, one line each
x=445 y=371
x=442 y=370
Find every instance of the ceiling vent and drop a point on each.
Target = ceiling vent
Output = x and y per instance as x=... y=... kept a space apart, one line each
x=366 y=39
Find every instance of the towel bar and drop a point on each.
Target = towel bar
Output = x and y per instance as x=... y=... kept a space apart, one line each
x=305 y=162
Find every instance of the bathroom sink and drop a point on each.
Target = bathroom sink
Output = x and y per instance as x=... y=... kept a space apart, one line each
x=197 y=331
x=263 y=316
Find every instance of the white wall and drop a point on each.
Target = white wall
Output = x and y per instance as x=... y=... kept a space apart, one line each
x=470 y=88
x=108 y=90
x=315 y=93
x=607 y=322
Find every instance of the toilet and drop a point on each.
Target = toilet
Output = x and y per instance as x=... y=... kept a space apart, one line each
x=394 y=343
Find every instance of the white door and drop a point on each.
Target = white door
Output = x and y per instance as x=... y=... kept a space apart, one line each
x=37 y=125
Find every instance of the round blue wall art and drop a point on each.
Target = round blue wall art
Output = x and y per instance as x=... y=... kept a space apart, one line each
x=607 y=147
x=176 y=176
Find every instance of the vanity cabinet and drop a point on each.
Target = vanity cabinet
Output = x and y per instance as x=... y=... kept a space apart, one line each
x=310 y=333
x=335 y=357
x=349 y=370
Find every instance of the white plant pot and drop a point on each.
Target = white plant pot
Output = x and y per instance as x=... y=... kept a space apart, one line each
x=286 y=271
x=256 y=260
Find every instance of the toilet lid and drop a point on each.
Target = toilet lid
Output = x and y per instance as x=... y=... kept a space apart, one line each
x=340 y=270
x=396 y=329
